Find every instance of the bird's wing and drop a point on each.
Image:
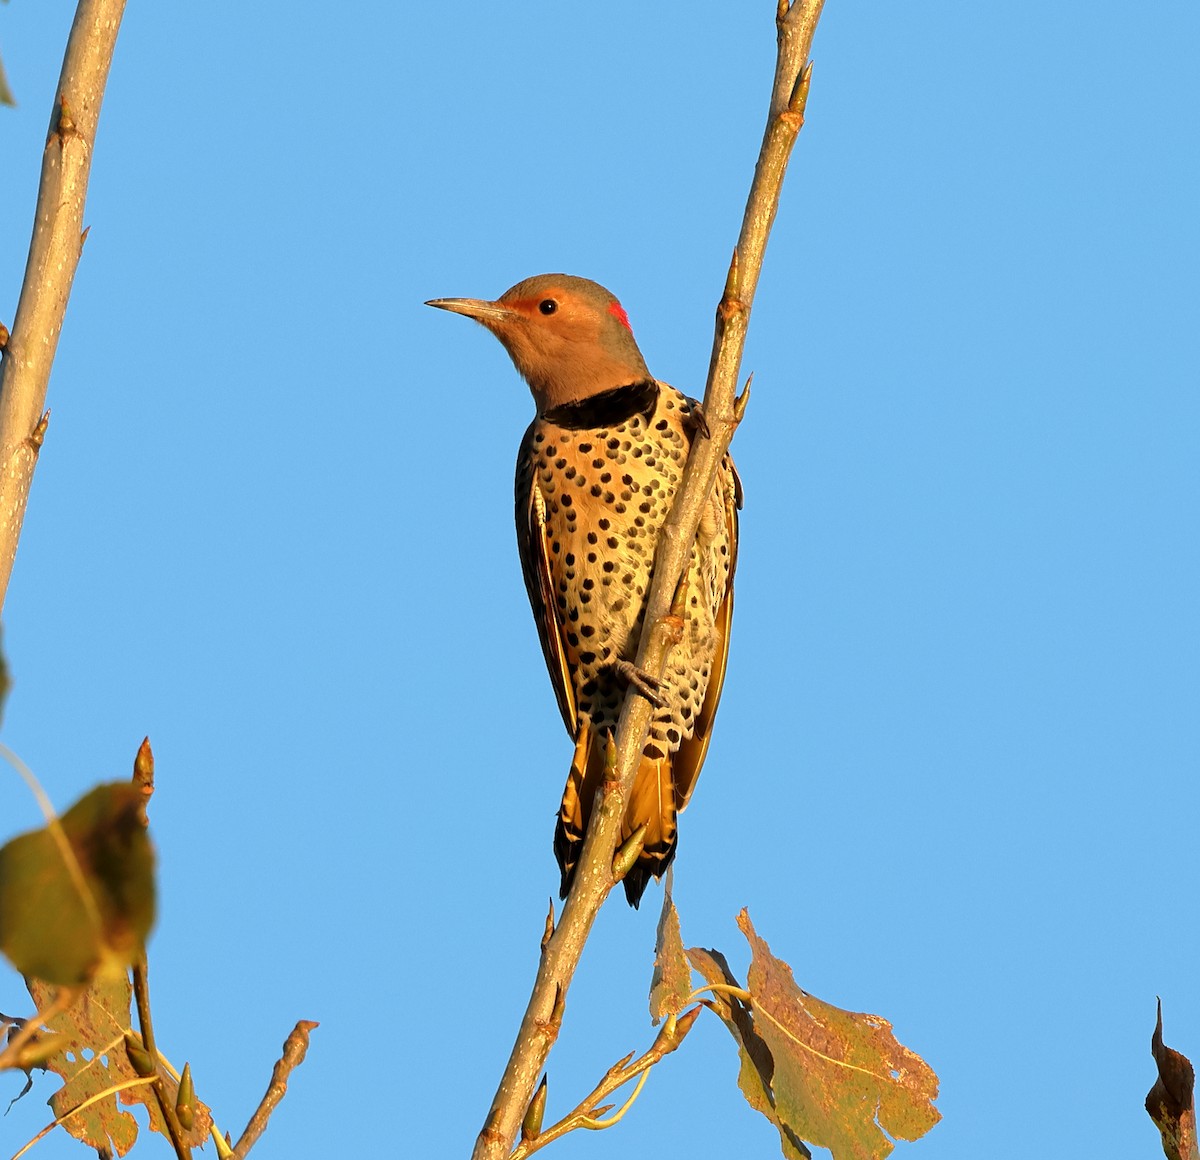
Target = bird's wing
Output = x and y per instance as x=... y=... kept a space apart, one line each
x=692 y=750
x=535 y=564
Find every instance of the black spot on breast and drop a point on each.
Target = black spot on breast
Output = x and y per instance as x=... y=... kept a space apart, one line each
x=586 y=630
x=602 y=524
x=587 y=658
x=584 y=448
x=592 y=537
x=597 y=490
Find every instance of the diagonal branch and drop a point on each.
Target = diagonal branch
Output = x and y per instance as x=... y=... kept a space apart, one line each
x=295 y=1047
x=594 y=876
x=54 y=251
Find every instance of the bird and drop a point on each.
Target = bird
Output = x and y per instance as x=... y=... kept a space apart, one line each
x=597 y=471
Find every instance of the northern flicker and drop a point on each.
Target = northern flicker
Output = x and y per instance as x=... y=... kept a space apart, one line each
x=596 y=475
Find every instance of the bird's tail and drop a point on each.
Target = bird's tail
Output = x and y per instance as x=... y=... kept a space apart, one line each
x=652 y=801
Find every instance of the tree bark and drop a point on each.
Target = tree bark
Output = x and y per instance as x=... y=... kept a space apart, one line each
x=54 y=250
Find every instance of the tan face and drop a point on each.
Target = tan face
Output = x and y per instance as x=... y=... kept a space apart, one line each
x=567 y=344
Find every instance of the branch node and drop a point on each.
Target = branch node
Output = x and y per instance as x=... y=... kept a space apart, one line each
x=731 y=278
x=64 y=126
x=531 y=1125
x=799 y=97
x=38 y=435
x=628 y=852
x=548 y=933
x=742 y=401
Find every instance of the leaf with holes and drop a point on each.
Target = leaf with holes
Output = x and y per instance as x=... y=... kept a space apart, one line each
x=93 y=1060
x=77 y=896
x=671 y=983
x=1171 y=1101
x=841 y=1079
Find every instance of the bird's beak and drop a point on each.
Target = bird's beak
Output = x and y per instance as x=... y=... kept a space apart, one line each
x=477 y=308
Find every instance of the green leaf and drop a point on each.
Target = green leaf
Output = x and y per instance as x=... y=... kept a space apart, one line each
x=671 y=983
x=1171 y=1101
x=841 y=1079
x=80 y=901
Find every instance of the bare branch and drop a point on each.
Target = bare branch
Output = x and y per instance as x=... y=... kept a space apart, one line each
x=295 y=1047
x=141 y=994
x=54 y=251
x=594 y=876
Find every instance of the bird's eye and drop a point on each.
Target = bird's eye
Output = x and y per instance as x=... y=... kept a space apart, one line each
x=547 y=306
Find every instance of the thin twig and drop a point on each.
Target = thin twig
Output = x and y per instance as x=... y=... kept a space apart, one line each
x=594 y=878
x=294 y=1049
x=588 y=1112
x=53 y=256
x=141 y=993
x=63 y=998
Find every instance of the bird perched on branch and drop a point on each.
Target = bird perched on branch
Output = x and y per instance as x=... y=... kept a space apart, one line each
x=597 y=473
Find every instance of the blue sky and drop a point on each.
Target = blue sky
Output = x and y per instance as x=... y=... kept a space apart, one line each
x=954 y=774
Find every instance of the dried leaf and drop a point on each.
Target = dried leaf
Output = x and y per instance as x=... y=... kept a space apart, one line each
x=1171 y=1101
x=671 y=983
x=758 y=1067
x=94 y=1059
x=841 y=1079
x=63 y=922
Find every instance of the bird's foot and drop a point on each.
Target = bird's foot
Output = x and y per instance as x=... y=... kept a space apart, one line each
x=694 y=420
x=648 y=686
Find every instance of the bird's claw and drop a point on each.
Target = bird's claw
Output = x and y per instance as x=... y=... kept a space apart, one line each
x=695 y=420
x=647 y=685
